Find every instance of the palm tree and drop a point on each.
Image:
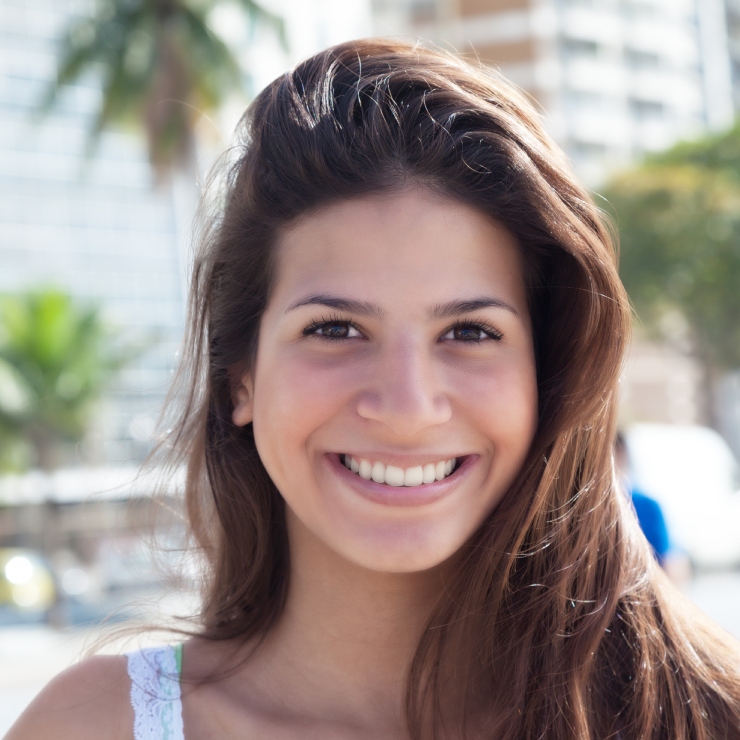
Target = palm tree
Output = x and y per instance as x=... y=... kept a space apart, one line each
x=162 y=67
x=55 y=359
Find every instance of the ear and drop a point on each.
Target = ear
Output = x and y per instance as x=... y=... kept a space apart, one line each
x=242 y=395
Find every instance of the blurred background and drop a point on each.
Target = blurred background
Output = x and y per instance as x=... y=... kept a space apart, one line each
x=111 y=114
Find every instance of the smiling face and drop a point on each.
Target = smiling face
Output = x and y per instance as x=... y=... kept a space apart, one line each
x=394 y=393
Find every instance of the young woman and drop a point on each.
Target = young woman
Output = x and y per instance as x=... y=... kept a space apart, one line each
x=406 y=333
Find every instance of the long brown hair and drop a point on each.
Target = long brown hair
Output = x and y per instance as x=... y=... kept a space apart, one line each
x=557 y=621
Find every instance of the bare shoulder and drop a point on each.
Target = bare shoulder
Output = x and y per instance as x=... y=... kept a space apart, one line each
x=88 y=700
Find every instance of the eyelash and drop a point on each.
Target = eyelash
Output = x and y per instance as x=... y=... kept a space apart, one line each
x=313 y=328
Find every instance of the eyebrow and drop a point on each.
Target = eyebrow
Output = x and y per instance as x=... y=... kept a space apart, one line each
x=455 y=308
x=364 y=308
x=359 y=308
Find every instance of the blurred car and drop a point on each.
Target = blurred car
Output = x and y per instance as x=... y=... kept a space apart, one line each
x=27 y=589
x=692 y=473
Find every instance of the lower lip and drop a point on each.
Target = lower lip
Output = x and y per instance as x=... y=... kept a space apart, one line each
x=380 y=493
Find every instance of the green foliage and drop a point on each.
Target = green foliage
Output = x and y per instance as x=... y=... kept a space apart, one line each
x=714 y=152
x=162 y=67
x=55 y=359
x=679 y=221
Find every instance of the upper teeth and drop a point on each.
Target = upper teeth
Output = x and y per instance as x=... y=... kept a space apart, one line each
x=393 y=476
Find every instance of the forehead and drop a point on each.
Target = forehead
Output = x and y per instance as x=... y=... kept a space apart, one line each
x=407 y=244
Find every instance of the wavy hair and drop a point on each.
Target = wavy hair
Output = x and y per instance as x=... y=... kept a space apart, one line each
x=557 y=622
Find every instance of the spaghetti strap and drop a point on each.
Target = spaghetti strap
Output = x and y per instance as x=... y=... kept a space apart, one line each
x=155 y=692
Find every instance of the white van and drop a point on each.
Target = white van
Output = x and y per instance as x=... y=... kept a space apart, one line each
x=693 y=475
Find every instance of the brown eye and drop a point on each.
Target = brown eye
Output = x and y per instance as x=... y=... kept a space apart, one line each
x=332 y=330
x=471 y=333
x=335 y=330
x=468 y=333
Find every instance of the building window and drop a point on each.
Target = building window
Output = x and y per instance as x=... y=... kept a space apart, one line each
x=581 y=48
x=638 y=59
x=580 y=102
x=646 y=110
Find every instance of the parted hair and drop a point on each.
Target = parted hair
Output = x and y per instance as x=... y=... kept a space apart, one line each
x=557 y=622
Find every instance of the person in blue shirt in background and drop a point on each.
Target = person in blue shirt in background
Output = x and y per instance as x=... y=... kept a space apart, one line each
x=652 y=521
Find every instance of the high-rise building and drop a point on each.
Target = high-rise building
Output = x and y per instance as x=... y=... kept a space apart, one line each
x=93 y=227
x=615 y=78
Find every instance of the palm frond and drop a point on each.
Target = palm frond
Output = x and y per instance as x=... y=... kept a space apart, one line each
x=160 y=64
x=56 y=357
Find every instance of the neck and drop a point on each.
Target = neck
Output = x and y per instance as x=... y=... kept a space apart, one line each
x=347 y=634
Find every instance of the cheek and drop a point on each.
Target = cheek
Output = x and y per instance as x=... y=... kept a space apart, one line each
x=295 y=395
x=503 y=401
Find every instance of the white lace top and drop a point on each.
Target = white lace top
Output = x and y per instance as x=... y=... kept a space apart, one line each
x=155 y=693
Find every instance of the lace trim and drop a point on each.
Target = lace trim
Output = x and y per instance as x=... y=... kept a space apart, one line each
x=155 y=694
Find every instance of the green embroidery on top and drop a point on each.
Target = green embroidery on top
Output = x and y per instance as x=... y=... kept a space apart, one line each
x=178 y=659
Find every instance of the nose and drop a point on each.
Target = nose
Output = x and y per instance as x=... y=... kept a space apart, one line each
x=405 y=392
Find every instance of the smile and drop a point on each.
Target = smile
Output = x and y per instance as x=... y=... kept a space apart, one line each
x=391 y=475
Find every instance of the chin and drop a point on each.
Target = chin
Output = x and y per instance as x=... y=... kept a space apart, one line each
x=415 y=552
